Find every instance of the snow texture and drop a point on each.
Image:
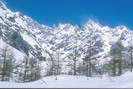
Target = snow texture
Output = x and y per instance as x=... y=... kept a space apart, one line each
x=67 y=81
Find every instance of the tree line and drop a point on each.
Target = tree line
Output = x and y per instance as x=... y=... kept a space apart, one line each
x=29 y=69
x=118 y=61
x=12 y=69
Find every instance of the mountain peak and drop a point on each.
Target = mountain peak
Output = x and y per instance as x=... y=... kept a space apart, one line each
x=27 y=35
x=122 y=27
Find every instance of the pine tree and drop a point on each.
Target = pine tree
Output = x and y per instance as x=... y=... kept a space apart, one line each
x=131 y=53
x=117 y=58
x=30 y=70
x=75 y=55
x=90 y=54
x=7 y=58
x=35 y=71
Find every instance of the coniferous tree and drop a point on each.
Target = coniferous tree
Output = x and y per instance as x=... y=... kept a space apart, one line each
x=117 y=58
x=131 y=53
x=7 y=63
x=35 y=70
x=30 y=70
x=75 y=55
x=90 y=53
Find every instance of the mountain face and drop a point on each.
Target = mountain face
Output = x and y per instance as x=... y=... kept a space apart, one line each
x=47 y=43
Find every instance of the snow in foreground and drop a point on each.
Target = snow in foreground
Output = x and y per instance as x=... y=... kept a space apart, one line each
x=66 y=81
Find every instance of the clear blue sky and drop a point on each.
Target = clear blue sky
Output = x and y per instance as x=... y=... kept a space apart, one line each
x=49 y=12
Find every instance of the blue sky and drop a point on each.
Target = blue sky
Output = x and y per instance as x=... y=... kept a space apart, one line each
x=49 y=12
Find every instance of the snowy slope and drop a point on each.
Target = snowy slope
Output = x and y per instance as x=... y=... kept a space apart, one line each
x=65 y=81
x=16 y=26
x=16 y=53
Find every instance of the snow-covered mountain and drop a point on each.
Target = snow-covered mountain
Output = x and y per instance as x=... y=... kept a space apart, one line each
x=45 y=42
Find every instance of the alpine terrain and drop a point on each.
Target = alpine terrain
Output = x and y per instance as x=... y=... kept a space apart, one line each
x=33 y=53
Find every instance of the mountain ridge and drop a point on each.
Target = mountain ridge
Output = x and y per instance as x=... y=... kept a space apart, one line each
x=46 y=42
